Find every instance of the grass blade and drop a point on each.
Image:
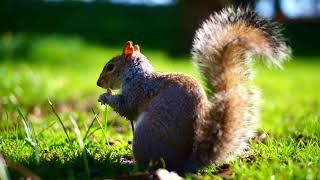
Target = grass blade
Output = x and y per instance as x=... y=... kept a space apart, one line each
x=7 y=119
x=82 y=147
x=106 y=113
x=98 y=128
x=60 y=121
x=25 y=125
x=101 y=126
x=3 y=169
x=132 y=127
x=31 y=136
x=87 y=133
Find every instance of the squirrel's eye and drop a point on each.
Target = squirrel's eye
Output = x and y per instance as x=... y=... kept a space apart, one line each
x=110 y=67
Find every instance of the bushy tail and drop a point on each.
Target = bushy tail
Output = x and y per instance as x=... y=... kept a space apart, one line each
x=222 y=49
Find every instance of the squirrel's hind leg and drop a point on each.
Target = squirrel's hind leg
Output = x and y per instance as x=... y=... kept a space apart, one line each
x=150 y=142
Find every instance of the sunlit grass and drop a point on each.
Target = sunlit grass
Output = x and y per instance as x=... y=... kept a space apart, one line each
x=66 y=69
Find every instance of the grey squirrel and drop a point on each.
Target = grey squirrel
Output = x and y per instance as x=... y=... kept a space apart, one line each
x=179 y=123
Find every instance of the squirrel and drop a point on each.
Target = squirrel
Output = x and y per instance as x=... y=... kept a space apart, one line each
x=180 y=123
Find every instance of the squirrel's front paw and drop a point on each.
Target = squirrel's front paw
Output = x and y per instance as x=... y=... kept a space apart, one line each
x=103 y=98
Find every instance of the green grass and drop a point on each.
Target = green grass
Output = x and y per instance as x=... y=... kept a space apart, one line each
x=65 y=70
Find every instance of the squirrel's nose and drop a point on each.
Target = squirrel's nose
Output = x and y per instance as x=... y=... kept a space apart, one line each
x=99 y=83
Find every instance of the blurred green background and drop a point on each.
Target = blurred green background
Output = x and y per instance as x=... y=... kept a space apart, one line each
x=56 y=49
x=167 y=25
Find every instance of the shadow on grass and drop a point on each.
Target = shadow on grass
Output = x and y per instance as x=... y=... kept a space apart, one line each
x=66 y=162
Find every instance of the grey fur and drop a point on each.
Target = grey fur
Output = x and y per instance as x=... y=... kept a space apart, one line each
x=177 y=122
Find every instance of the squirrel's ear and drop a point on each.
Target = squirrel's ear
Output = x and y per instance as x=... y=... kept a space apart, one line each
x=127 y=49
x=136 y=48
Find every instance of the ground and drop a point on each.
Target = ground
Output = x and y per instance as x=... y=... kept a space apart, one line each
x=76 y=137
